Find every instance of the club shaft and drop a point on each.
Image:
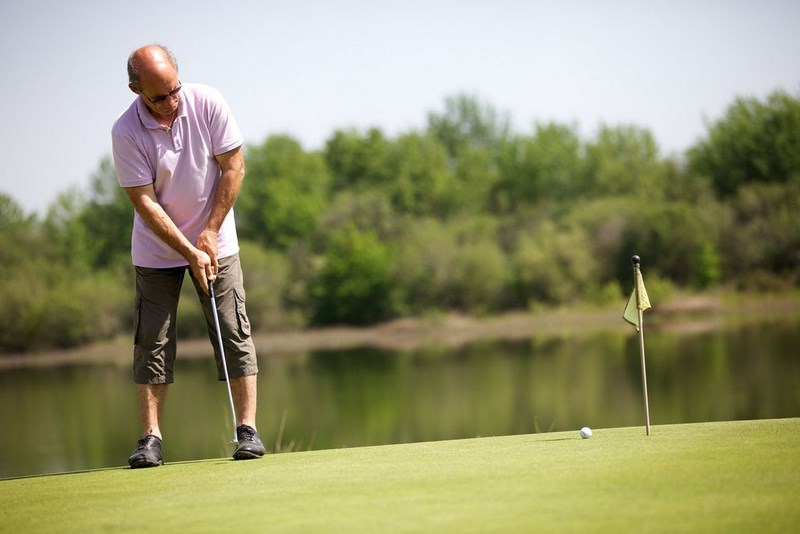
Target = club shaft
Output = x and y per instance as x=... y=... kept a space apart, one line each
x=222 y=354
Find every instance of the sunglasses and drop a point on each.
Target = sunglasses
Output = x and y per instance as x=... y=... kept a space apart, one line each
x=159 y=99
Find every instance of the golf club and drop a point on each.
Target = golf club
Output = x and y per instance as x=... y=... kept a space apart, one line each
x=222 y=356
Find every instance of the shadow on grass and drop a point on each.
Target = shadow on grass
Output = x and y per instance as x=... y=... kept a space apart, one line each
x=166 y=465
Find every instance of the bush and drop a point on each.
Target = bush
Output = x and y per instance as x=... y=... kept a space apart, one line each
x=554 y=266
x=605 y=222
x=46 y=307
x=458 y=265
x=605 y=294
x=365 y=210
x=478 y=278
x=355 y=284
x=765 y=235
x=761 y=281
x=426 y=257
x=266 y=280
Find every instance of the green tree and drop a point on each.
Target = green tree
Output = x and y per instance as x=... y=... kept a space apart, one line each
x=108 y=218
x=69 y=240
x=421 y=181
x=364 y=210
x=468 y=123
x=623 y=160
x=18 y=233
x=547 y=166
x=472 y=133
x=755 y=142
x=476 y=174
x=284 y=193
x=358 y=161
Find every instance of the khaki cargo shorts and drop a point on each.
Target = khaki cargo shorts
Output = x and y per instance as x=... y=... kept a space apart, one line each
x=156 y=307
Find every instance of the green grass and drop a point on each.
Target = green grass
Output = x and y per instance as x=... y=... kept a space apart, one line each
x=713 y=477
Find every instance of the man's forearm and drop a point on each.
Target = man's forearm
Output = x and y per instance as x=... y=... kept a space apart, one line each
x=150 y=210
x=230 y=182
x=227 y=191
x=146 y=204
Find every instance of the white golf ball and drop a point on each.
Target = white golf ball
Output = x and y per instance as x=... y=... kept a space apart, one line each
x=586 y=432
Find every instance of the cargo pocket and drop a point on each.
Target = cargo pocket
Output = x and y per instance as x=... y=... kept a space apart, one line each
x=241 y=312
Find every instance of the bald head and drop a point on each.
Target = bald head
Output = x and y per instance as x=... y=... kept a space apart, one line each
x=151 y=62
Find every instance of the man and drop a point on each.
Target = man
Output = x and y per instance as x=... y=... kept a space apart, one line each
x=178 y=154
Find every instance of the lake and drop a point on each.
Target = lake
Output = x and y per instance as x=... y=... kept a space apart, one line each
x=85 y=416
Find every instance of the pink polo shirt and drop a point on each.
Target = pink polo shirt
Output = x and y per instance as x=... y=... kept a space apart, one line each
x=180 y=162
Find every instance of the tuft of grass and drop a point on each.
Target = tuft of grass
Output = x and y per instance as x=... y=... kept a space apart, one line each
x=292 y=446
x=710 y=477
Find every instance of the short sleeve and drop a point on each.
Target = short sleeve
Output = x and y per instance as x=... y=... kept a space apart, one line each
x=132 y=167
x=225 y=134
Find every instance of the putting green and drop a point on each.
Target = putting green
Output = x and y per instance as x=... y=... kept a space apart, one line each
x=713 y=477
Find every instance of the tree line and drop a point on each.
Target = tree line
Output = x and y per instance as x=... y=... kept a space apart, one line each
x=464 y=215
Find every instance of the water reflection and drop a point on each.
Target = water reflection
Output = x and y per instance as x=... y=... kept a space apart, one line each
x=84 y=417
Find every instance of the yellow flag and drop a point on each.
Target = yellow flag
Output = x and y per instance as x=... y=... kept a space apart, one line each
x=638 y=301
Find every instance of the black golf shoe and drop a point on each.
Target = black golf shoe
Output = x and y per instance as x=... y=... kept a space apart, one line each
x=250 y=445
x=147 y=453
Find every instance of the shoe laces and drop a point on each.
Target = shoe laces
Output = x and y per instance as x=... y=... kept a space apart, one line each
x=246 y=433
x=145 y=442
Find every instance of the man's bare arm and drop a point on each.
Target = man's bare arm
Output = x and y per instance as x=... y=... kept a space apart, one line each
x=231 y=166
x=146 y=204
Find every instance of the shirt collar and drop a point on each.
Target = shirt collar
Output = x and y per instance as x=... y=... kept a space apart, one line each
x=148 y=121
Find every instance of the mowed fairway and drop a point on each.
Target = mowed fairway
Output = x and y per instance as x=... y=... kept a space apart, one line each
x=714 y=477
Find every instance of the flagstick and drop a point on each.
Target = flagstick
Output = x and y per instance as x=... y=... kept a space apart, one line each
x=644 y=375
x=641 y=349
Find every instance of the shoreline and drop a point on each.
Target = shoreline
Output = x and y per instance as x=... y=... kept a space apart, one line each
x=688 y=314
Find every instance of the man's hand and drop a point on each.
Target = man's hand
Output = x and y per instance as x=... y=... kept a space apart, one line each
x=207 y=242
x=202 y=268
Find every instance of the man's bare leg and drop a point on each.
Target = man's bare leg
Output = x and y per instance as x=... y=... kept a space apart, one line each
x=244 y=398
x=151 y=403
x=148 y=449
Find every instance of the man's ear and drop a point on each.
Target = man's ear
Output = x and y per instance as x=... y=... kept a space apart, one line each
x=134 y=88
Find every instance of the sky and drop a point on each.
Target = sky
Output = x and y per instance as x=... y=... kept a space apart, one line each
x=309 y=68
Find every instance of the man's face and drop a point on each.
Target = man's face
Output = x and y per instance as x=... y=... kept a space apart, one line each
x=160 y=94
